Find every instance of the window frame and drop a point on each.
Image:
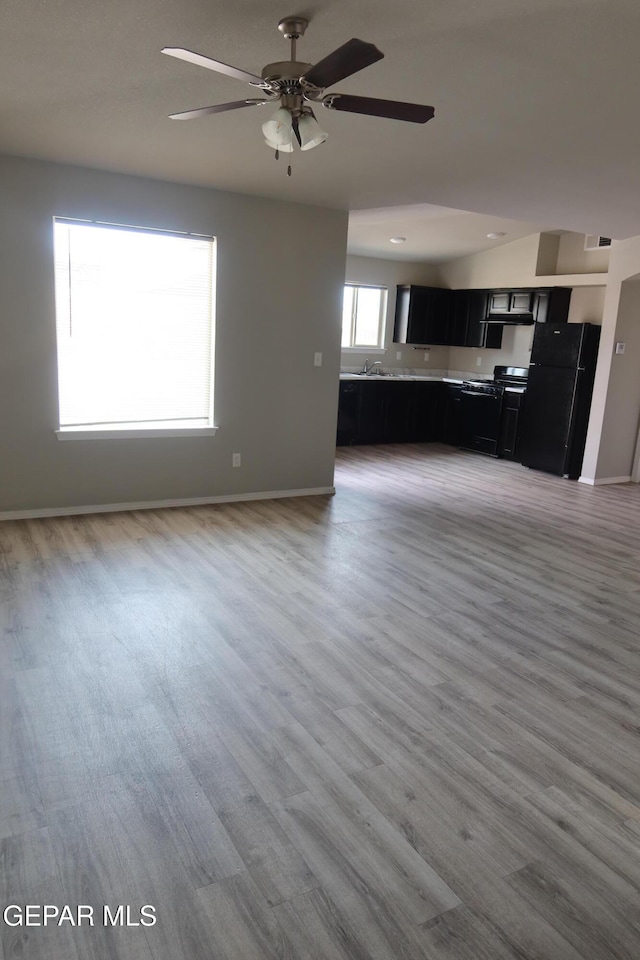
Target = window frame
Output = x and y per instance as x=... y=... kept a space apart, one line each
x=115 y=431
x=382 y=318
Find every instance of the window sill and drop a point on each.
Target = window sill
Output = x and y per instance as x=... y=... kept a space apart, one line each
x=363 y=349
x=135 y=434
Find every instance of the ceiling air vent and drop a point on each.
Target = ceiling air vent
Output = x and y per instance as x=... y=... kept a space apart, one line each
x=593 y=242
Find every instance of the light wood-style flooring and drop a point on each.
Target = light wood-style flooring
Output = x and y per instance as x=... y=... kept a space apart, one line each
x=396 y=724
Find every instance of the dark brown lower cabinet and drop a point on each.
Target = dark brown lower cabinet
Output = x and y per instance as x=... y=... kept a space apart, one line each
x=447 y=420
x=372 y=411
x=348 y=405
x=392 y=411
x=451 y=414
x=400 y=412
x=379 y=411
x=512 y=404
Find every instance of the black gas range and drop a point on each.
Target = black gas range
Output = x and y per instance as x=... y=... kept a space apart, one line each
x=504 y=378
x=481 y=407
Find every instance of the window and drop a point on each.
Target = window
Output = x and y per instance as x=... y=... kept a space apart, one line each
x=134 y=324
x=363 y=316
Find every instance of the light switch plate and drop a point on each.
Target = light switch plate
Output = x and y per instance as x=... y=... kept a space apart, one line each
x=620 y=347
x=317 y=359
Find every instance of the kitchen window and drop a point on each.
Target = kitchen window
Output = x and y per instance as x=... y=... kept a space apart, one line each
x=134 y=330
x=363 y=316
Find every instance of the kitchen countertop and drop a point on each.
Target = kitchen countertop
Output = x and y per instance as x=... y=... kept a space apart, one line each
x=433 y=379
x=398 y=376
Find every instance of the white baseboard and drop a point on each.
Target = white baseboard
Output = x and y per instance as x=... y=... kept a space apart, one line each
x=161 y=504
x=596 y=483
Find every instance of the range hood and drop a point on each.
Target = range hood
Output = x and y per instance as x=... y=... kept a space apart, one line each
x=512 y=319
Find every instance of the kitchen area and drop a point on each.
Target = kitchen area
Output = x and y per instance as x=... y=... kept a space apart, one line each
x=534 y=412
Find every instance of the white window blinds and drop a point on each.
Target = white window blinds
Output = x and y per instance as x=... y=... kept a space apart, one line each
x=134 y=319
x=363 y=315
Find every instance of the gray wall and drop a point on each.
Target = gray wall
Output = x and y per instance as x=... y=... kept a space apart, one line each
x=279 y=296
x=615 y=408
x=622 y=411
x=390 y=274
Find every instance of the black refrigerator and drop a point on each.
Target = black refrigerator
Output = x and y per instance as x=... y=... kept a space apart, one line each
x=558 y=397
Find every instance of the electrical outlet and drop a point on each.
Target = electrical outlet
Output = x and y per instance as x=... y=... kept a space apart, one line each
x=478 y=361
x=317 y=359
x=398 y=354
x=236 y=460
x=426 y=355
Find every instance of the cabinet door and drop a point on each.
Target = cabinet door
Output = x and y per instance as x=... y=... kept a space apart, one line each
x=348 y=403
x=412 y=306
x=552 y=305
x=419 y=307
x=426 y=411
x=447 y=425
x=509 y=424
x=499 y=301
x=522 y=302
x=476 y=332
x=398 y=427
x=459 y=318
x=401 y=325
x=438 y=304
x=422 y=315
x=371 y=411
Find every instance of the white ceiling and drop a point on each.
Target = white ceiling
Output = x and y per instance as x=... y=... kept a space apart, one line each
x=536 y=101
x=432 y=234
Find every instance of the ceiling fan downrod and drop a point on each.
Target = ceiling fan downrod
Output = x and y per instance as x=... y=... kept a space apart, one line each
x=292 y=29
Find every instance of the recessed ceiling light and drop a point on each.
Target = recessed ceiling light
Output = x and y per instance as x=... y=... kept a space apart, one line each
x=495 y=236
x=397 y=239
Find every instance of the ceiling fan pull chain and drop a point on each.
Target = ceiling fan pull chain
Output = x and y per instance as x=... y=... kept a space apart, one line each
x=277 y=154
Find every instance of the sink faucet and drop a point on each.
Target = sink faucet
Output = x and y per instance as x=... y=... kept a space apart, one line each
x=367 y=368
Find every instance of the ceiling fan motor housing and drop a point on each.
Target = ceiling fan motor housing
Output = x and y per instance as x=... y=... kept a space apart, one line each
x=288 y=70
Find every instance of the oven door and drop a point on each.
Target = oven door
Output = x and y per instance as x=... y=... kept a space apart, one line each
x=480 y=421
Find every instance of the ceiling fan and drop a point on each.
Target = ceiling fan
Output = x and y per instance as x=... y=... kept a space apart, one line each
x=296 y=86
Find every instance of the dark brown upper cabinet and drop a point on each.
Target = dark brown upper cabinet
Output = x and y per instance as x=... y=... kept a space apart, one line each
x=537 y=305
x=431 y=316
x=468 y=321
x=552 y=305
x=422 y=315
x=511 y=303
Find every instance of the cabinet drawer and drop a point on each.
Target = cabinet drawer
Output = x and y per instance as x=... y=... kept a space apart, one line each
x=521 y=302
x=499 y=302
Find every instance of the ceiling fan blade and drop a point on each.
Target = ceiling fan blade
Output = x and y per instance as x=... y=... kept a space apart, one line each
x=372 y=107
x=218 y=108
x=352 y=56
x=200 y=61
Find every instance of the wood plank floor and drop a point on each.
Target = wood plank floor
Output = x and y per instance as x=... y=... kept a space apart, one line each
x=402 y=722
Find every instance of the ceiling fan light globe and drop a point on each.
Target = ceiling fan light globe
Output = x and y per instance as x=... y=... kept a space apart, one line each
x=311 y=133
x=279 y=128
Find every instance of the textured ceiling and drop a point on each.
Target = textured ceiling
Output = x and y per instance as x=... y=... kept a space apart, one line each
x=536 y=102
x=432 y=234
